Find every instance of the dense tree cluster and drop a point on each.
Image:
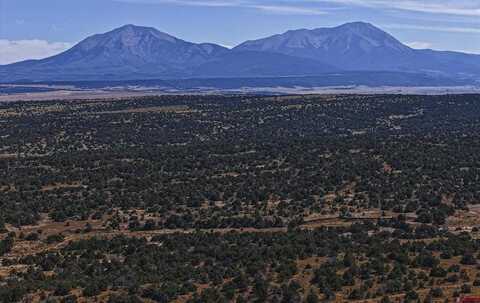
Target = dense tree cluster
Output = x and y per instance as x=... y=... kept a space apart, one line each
x=251 y=267
x=206 y=162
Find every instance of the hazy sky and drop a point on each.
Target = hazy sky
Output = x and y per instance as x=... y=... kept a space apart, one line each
x=39 y=28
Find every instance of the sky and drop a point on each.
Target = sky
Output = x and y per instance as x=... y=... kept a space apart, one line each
x=33 y=29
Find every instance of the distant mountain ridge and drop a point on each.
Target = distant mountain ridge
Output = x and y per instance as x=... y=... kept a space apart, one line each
x=351 y=46
x=134 y=52
x=362 y=46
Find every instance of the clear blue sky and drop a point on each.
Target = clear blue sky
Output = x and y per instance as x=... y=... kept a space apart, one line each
x=37 y=28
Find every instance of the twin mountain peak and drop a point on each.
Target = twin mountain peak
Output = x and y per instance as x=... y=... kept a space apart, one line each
x=136 y=52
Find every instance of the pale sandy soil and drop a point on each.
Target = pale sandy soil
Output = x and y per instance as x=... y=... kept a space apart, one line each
x=69 y=93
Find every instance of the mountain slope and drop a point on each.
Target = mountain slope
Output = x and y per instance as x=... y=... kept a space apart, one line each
x=260 y=64
x=362 y=46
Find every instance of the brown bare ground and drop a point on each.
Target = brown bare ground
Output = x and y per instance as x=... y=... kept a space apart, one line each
x=153 y=109
x=73 y=231
x=61 y=185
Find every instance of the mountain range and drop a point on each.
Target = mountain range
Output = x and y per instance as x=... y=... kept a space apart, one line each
x=134 y=52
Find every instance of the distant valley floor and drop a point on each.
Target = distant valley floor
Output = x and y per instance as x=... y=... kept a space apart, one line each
x=44 y=92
